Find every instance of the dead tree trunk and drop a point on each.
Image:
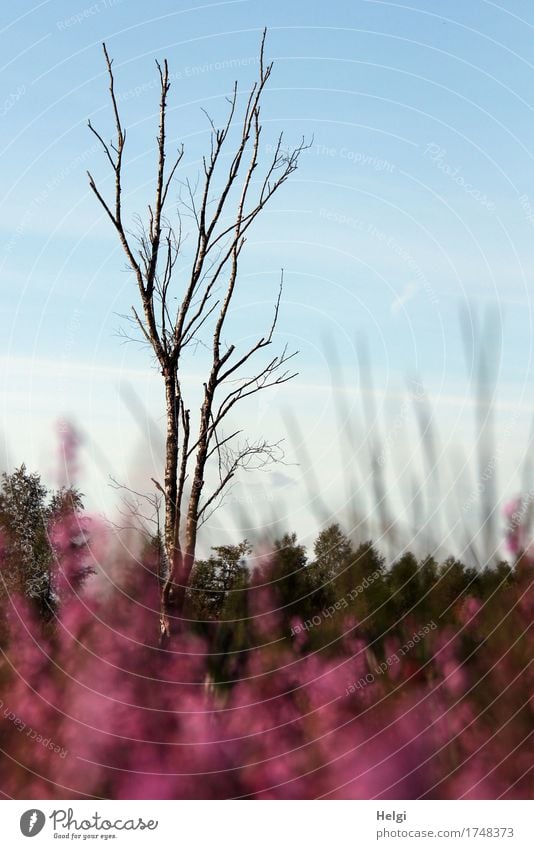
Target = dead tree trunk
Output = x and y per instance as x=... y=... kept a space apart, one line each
x=203 y=305
x=171 y=465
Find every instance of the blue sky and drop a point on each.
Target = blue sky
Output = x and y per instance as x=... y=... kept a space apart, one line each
x=415 y=199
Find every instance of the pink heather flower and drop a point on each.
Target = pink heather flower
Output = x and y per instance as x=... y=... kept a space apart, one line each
x=133 y=721
x=69 y=537
x=299 y=632
x=469 y=610
x=514 y=527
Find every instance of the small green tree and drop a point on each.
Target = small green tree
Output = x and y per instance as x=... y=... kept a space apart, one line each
x=28 y=513
x=24 y=516
x=289 y=576
x=494 y=578
x=333 y=552
x=363 y=585
x=456 y=580
x=214 y=578
x=404 y=585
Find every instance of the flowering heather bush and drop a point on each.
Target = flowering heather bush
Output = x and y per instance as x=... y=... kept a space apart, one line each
x=93 y=707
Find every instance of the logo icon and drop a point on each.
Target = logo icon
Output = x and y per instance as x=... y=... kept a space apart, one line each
x=32 y=822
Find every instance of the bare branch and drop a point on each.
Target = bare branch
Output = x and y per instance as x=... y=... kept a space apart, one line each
x=249 y=456
x=133 y=505
x=173 y=319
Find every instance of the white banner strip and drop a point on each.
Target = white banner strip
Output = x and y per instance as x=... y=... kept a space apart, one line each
x=264 y=825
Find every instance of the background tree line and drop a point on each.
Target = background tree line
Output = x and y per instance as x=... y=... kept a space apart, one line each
x=344 y=586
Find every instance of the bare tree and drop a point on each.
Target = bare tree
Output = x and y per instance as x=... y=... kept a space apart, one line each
x=222 y=206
